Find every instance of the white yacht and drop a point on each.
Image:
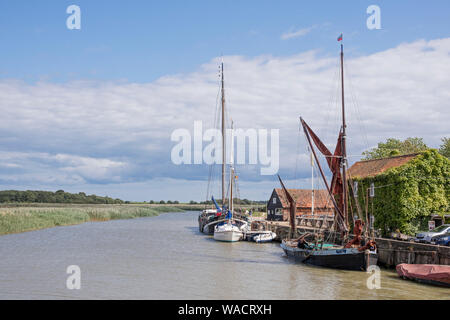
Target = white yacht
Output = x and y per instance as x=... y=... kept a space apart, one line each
x=228 y=232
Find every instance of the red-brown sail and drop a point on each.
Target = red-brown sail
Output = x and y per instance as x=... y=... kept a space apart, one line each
x=334 y=163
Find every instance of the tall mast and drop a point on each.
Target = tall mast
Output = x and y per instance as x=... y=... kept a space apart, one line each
x=231 y=191
x=223 y=140
x=343 y=144
x=312 y=184
x=231 y=170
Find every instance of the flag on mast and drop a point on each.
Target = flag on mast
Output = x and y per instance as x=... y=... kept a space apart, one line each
x=340 y=37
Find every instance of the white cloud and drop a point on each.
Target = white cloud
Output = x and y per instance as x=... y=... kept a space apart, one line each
x=113 y=133
x=91 y=168
x=296 y=33
x=65 y=169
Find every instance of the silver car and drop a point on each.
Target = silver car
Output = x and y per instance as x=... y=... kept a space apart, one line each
x=427 y=237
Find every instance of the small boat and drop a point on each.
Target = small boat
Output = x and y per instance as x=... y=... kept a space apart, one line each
x=228 y=232
x=434 y=274
x=264 y=237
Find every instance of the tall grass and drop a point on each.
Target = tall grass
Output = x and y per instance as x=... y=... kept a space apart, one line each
x=22 y=219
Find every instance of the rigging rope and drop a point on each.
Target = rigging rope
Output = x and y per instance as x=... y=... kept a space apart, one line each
x=211 y=175
x=356 y=107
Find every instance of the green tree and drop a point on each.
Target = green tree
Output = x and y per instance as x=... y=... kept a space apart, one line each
x=445 y=147
x=394 y=147
x=29 y=196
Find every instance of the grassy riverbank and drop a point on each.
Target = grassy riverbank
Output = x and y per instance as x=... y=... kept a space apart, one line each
x=15 y=218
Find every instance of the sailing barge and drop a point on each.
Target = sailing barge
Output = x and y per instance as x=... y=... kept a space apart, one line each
x=335 y=257
x=360 y=252
x=209 y=219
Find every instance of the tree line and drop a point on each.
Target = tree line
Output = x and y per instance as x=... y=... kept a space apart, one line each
x=235 y=201
x=219 y=201
x=60 y=196
x=395 y=147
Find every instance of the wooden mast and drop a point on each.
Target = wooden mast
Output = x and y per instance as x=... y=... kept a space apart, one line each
x=223 y=140
x=231 y=191
x=292 y=209
x=343 y=145
x=231 y=171
x=312 y=184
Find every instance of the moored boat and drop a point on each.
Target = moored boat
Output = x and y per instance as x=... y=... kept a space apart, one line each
x=331 y=256
x=233 y=229
x=264 y=237
x=438 y=275
x=208 y=219
x=358 y=252
x=228 y=232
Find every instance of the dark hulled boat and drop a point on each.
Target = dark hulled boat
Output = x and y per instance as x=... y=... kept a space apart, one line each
x=209 y=218
x=336 y=257
x=360 y=252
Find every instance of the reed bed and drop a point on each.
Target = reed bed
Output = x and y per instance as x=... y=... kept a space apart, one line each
x=22 y=219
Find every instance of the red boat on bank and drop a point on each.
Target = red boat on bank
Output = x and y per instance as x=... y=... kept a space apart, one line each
x=426 y=273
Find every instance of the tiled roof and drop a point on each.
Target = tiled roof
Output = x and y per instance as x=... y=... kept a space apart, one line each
x=303 y=198
x=370 y=168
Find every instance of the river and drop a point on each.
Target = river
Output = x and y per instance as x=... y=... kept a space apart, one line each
x=165 y=257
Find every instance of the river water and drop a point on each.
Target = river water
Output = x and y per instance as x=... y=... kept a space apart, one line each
x=165 y=257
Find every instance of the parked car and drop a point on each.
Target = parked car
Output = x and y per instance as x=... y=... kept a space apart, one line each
x=426 y=237
x=442 y=240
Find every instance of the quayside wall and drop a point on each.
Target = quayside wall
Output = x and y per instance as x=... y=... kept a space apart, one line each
x=390 y=252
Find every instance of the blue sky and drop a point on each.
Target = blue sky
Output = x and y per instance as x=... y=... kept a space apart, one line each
x=92 y=110
x=144 y=40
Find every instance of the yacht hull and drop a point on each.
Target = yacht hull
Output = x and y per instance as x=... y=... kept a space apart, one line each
x=228 y=236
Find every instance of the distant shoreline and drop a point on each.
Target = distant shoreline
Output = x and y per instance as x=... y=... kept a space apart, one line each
x=25 y=217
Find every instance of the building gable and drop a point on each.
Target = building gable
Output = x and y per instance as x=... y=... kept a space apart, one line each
x=274 y=201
